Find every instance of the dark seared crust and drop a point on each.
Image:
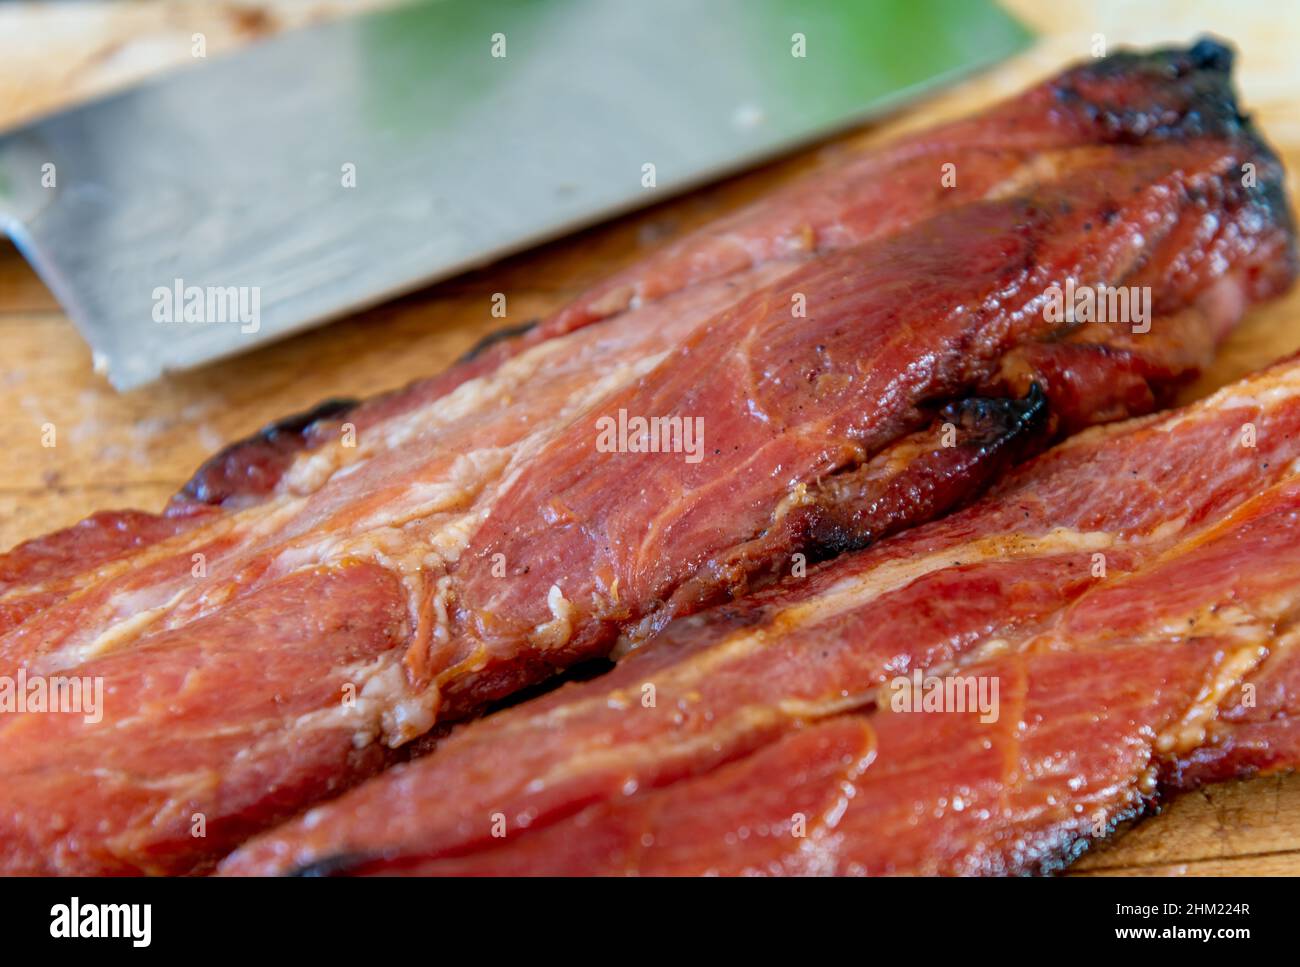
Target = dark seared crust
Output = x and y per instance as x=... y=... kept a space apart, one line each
x=496 y=336
x=1204 y=106
x=252 y=467
x=988 y=436
x=343 y=865
x=1203 y=103
x=1054 y=859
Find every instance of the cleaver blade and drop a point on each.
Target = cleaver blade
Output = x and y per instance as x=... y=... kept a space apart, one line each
x=341 y=165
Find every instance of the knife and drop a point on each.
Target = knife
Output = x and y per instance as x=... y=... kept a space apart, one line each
x=215 y=208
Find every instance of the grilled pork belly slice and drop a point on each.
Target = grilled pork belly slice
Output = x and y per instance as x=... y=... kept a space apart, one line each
x=1112 y=598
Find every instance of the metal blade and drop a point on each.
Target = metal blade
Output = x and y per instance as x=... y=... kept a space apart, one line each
x=234 y=175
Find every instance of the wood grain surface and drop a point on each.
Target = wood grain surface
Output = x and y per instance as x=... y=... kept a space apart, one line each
x=135 y=449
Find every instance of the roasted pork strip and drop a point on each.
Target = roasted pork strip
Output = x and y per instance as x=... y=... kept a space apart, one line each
x=483 y=510
x=1120 y=590
x=853 y=197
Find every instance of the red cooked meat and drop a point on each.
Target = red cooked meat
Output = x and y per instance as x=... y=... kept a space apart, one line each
x=773 y=743
x=483 y=540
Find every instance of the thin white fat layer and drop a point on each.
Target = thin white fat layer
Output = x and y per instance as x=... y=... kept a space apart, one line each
x=383 y=707
x=115 y=623
x=556 y=632
x=856 y=590
x=796 y=498
x=1213 y=618
x=472 y=396
x=448 y=541
x=534 y=444
x=310 y=471
x=1261 y=392
x=402 y=713
x=441 y=631
x=455 y=489
x=208 y=530
x=357 y=711
x=116 y=635
x=1189 y=730
x=601 y=754
x=128 y=614
x=1045 y=166
x=1166 y=529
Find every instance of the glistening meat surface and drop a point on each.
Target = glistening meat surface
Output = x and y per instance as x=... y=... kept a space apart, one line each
x=1121 y=590
x=488 y=541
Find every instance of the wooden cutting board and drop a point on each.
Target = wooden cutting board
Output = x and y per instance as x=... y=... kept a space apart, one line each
x=135 y=450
